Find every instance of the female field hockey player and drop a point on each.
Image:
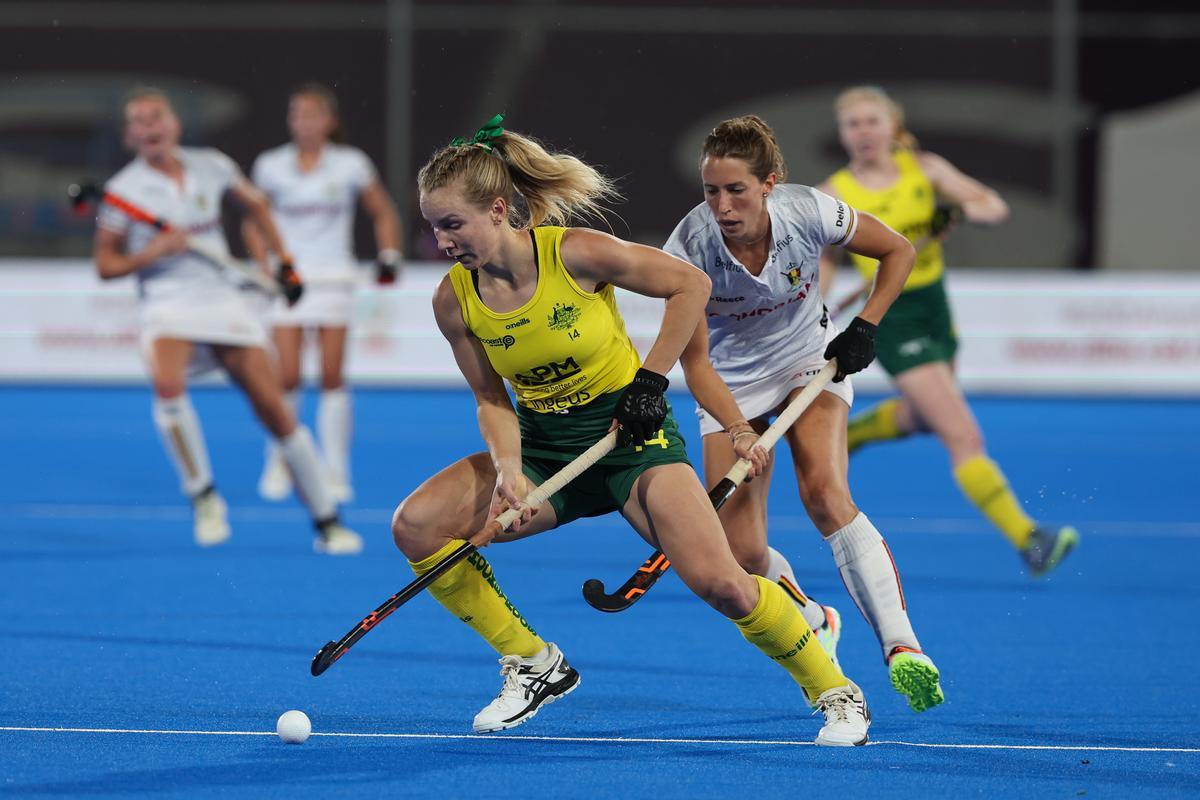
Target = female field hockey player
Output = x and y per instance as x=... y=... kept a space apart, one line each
x=916 y=342
x=534 y=304
x=314 y=184
x=759 y=241
x=191 y=309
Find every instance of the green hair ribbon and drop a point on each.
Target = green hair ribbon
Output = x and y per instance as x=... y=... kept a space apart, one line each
x=483 y=137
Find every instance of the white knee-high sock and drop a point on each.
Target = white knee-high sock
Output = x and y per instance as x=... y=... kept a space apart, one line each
x=780 y=571
x=179 y=428
x=294 y=399
x=300 y=455
x=873 y=581
x=335 y=425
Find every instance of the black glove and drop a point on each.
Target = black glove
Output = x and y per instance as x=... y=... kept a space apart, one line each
x=289 y=283
x=641 y=408
x=944 y=217
x=387 y=265
x=854 y=348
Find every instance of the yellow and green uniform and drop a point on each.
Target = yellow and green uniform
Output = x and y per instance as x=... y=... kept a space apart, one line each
x=568 y=358
x=918 y=328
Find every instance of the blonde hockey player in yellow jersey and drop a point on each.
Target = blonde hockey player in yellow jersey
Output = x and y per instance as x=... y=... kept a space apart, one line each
x=533 y=304
x=916 y=343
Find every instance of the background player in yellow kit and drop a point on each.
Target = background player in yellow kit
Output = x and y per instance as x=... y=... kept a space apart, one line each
x=535 y=305
x=916 y=342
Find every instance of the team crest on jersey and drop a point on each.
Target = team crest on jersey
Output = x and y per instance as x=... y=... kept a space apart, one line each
x=201 y=202
x=793 y=275
x=563 y=316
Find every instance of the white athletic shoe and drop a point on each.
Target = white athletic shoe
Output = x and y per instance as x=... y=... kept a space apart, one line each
x=211 y=519
x=276 y=481
x=335 y=539
x=529 y=683
x=846 y=716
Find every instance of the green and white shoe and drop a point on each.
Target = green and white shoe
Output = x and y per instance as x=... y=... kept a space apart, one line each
x=829 y=633
x=914 y=675
x=1045 y=549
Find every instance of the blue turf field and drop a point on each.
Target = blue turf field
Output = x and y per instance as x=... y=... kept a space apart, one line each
x=111 y=619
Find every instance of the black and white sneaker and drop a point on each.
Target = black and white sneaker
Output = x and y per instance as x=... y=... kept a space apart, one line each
x=529 y=683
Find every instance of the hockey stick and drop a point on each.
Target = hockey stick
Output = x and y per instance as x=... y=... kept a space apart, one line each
x=288 y=283
x=657 y=564
x=332 y=651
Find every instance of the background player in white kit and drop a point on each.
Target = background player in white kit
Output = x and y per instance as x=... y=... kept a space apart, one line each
x=190 y=308
x=314 y=183
x=768 y=333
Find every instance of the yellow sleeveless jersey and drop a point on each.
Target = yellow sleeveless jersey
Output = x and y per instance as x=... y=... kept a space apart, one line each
x=563 y=348
x=907 y=207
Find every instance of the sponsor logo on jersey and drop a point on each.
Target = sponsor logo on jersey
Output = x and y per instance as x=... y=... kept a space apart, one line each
x=727 y=264
x=718 y=299
x=500 y=341
x=762 y=312
x=560 y=405
x=517 y=324
x=564 y=316
x=546 y=374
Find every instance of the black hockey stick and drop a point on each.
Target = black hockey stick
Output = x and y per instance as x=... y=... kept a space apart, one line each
x=332 y=651
x=657 y=564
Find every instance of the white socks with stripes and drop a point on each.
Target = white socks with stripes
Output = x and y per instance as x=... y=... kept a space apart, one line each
x=872 y=580
x=179 y=428
x=300 y=455
x=335 y=425
x=780 y=571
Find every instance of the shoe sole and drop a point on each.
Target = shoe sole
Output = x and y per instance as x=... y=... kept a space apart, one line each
x=917 y=681
x=1067 y=541
x=532 y=712
x=838 y=743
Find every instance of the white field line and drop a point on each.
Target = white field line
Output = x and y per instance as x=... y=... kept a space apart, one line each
x=617 y=740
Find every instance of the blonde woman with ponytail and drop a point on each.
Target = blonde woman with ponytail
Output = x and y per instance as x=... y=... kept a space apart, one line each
x=530 y=301
x=888 y=176
x=767 y=335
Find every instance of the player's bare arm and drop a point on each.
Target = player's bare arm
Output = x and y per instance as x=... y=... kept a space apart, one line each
x=596 y=258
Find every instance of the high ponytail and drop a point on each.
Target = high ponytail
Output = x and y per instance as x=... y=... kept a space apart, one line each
x=555 y=187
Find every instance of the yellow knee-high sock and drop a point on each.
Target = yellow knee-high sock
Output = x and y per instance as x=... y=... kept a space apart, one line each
x=776 y=627
x=877 y=424
x=984 y=485
x=469 y=591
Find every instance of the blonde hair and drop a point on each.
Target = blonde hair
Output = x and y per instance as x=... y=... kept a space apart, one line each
x=902 y=139
x=555 y=187
x=750 y=139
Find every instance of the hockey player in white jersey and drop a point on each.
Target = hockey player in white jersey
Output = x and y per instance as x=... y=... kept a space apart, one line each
x=193 y=315
x=314 y=183
x=768 y=333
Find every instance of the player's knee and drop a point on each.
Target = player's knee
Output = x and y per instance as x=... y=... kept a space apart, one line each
x=827 y=503
x=332 y=382
x=411 y=530
x=169 y=387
